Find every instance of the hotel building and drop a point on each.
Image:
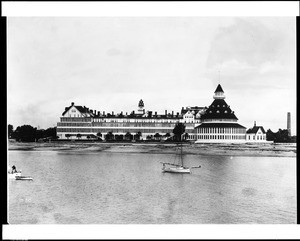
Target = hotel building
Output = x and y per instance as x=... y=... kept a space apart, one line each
x=215 y=124
x=80 y=122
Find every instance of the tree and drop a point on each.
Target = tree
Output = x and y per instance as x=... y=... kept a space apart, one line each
x=128 y=136
x=270 y=135
x=138 y=135
x=78 y=135
x=25 y=133
x=178 y=130
x=157 y=136
x=99 y=135
x=68 y=136
x=109 y=136
x=10 y=130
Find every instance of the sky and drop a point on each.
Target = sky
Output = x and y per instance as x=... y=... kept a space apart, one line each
x=110 y=63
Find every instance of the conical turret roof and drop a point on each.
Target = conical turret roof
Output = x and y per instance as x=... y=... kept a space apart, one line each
x=219 y=89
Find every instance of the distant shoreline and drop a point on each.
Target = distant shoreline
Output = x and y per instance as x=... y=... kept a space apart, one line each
x=255 y=149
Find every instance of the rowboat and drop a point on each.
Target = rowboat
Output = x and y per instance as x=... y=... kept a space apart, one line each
x=23 y=178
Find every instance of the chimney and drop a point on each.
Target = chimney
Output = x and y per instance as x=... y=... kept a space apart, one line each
x=112 y=113
x=98 y=113
x=103 y=112
x=126 y=113
x=72 y=103
x=172 y=113
x=289 y=123
x=177 y=113
x=91 y=111
x=165 y=112
x=254 y=123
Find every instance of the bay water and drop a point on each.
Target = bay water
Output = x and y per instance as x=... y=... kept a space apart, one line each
x=129 y=188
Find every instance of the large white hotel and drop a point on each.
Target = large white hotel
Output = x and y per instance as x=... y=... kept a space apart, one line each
x=214 y=124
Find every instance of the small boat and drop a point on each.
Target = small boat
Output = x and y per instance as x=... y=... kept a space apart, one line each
x=177 y=167
x=23 y=178
x=15 y=174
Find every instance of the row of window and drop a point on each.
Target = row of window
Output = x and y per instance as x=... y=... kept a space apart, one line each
x=123 y=130
x=125 y=124
x=75 y=119
x=222 y=130
x=257 y=138
x=221 y=137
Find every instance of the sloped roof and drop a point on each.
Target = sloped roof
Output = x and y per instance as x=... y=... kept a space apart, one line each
x=255 y=129
x=213 y=124
x=219 y=110
x=219 y=89
x=81 y=109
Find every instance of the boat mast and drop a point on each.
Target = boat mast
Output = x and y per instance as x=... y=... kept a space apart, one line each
x=181 y=158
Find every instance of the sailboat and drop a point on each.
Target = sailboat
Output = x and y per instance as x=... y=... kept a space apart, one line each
x=177 y=167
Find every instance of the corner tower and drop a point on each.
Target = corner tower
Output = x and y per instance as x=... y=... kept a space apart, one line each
x=219 y=123
x=141 y=109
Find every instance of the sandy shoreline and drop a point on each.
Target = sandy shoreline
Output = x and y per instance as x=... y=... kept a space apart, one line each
x=274 y=150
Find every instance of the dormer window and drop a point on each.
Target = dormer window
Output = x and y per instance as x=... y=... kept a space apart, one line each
x=225 y=111
x=218 y=111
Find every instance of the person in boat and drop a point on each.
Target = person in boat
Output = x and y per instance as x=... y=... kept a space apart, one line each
x=14 y=169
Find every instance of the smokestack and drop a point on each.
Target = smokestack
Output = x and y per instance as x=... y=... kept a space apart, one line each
x=289 y=123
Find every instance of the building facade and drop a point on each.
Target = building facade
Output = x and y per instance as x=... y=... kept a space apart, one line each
x=215 y=124
x=80 y=122
x=219 y=123
x=256 y=134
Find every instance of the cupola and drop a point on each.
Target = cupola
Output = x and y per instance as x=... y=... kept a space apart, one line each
x=219 y=93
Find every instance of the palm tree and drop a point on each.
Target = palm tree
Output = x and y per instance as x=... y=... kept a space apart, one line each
x=157 y=136
x=99 y=135
x=138 y=135
x=68 y=136
x=128 y=136
x=109 y=136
